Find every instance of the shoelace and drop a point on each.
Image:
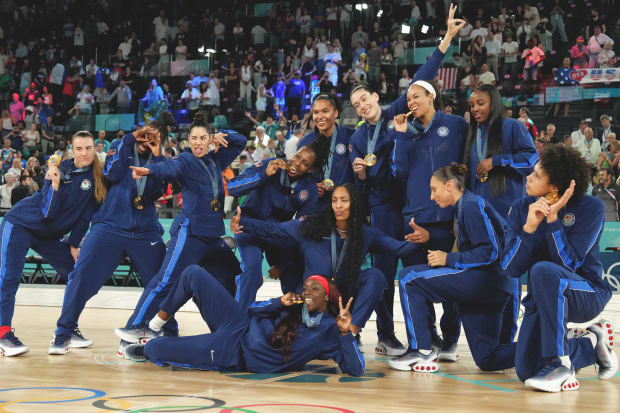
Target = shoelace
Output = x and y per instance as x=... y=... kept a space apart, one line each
x=11 y=337
x=78 y=333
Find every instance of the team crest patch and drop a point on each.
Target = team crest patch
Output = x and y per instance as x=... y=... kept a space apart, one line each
x=390 y=124
x=568 y=219
x=258 y=164
x=303 y=195
x=443 y=131
x=340 y=149
x=85 y=185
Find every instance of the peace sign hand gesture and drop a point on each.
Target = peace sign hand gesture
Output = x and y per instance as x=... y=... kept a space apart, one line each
x=343 y=321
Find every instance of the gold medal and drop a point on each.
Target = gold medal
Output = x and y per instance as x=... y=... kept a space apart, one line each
x=215 y=204
x=328 y=184
x=53 y=160
x=483 y=177
x=298 y=301
x=370 y=159
x=552 y=197
x=138 y=203
x=408 y=114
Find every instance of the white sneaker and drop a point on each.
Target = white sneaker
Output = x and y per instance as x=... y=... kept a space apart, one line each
x=60 y=345
x=449 y=354
x=416 y=361
x=122 y=349
x=11 y=346
x=554 y=378
x=140 y=335
x=390 y=346
x=78 y=340
x=606 y=357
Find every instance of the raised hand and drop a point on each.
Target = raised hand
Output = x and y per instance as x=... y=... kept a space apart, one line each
x=454 y=25
x=274 y=165
x=142 y=134
x=400 y=123
x=359 y=167
x=234 y=223
x=138 y=172
x=419 y=234
x=343 y=321
x=219 y=140
x=553 y=209
x=53 y=174
x=290 y=299
x=537 y=211
x=484 y=166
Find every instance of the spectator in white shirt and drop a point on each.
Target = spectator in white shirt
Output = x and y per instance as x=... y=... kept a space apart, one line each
x=218 y=31
x=100 y=153
x=595 y=45
x=510 y=51
x=404 y=82
x=479 y=31
x=486 y=77
x=531 y=14
x=192 y=98
x=332 y=61
x=579 y=135
x=465 y=31
x=493 y=48
x=125 y=48
x=6 y=189
x=259 y=34
x=290 y=147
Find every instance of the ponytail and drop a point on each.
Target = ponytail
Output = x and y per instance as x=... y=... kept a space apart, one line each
x=454 y=172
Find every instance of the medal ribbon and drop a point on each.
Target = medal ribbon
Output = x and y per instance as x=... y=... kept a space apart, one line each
x=330 y=160
x=213 y=177
x=337 y=259
x=370 y=148
x=140 y=183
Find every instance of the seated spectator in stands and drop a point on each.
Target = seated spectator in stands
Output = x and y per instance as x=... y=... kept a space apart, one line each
x=219 y=120
x=244 y=163
x=595 y=45
x=538 y=143
x=280 y=142
x=100 y=152
x=579 y=54
x=261 y=137
x=6 y=189
x=6 y=154
x=604 y=131
x=486 y=77
x=550 y=129
x=608 y=192
x=607 y=57
x=24 y=189
x=17 y=136
x=468 y=81
x=173 y=144
x=270 y=152
x=579 y=135
x=119 y=135
x=7 y=123
x=589 y=148
x=524 y=113
x=567 y=141
x=608 y=158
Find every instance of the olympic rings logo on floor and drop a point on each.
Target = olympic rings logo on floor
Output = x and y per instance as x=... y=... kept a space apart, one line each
x=103 y=403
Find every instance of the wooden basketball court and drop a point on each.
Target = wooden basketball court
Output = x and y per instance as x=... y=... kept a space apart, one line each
x=96 y=380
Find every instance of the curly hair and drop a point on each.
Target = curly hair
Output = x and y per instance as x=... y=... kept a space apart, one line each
x=563 y=164
x=285 y=331
x=162 y=122
x=316 y=227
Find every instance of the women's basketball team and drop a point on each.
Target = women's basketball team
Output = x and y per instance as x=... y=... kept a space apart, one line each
x=332 y=223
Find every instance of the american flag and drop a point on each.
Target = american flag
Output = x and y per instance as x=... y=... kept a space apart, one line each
x=447 y=76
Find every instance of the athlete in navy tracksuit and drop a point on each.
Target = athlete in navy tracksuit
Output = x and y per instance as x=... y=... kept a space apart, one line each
x=318 y=259
x=558 y=244
x=417 y=153
x=507 y=159
x=275 y=195
x=383 y=191
x=240 y=338
x=332 y=147
x=39 y=222
x=468 y=278
x=197 y=230
x=118 y=229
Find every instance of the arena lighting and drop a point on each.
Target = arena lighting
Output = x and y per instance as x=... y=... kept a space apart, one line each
x=201 y=49
x=361 y=6
x=424 y=29
x=405 y=29
x=210 y=50
x=380 y=13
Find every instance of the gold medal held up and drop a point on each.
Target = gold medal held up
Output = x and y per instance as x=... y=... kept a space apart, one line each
x=552 y=197
x=483 y=177
x=328 y=184
x=297 y=300
x=215 y=204
x=53 y=160
x=370 y=159
x=138 y=203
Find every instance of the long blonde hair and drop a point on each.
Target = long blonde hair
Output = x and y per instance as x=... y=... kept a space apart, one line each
x=100 y=188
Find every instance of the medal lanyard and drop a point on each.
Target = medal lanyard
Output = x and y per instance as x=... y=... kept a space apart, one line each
x=330 y=160
x=418 y=128
x=372 y=143
x=66 y=176
x=459 y=204
x=481 y=148
x=337 y=259
x=285 y=181
x=214 y=181
x=140 y=183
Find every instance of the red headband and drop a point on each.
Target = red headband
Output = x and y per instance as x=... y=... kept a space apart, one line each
x=322 y=280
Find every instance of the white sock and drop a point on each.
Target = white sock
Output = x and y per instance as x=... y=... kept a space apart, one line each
x=425 y=352
x=157 y=323
x=565 y=361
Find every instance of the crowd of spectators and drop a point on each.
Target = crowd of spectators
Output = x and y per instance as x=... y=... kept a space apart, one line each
x=114 y=57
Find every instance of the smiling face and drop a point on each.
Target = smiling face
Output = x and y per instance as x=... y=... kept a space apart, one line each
x=366 y=104
x=314 y=295
x=419 y=101
x=324 y=115
x=199 y=140
x=301 y=163
x=480 y=106
x=441 y=192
